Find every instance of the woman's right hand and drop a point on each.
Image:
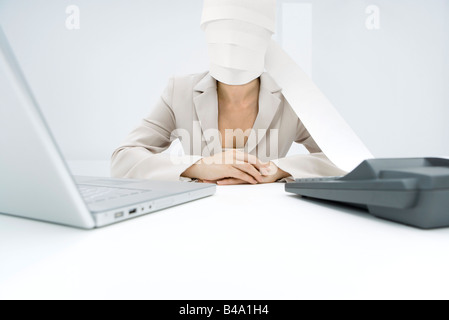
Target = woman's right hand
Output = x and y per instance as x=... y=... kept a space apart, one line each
x=232 y=164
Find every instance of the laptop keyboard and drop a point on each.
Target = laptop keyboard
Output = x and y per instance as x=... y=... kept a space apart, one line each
x=324 y=179
x=94 y=194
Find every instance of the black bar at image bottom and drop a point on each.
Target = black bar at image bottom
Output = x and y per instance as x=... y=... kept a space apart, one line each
x=221 y=309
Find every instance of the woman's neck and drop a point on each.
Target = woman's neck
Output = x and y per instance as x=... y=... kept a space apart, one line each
x=239 y=96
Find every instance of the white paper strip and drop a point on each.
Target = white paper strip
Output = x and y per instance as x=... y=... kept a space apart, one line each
x=265 y=18
x=238 y=33
x=240 y=27
x=240 y=39
x=327 y=127
x=240 y=47
x=236 y=57
x=231 y=76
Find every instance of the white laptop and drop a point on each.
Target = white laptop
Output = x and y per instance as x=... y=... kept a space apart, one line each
x=35 y=181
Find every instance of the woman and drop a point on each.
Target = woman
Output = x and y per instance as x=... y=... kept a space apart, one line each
x=234 y=124
x=200 y=100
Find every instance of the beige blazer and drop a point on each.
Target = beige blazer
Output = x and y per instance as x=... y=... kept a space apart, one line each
x=188 y=110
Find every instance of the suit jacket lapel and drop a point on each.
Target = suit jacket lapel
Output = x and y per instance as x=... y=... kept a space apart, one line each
x=206 y=106
x=269 y=102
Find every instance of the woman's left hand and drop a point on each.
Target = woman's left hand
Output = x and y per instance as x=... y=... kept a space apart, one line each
x=274 y=174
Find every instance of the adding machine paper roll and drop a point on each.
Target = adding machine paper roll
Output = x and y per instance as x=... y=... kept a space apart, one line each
x=327 y=127
x=239 y=34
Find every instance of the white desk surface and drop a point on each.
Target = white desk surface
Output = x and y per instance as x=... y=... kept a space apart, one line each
x=246 y=242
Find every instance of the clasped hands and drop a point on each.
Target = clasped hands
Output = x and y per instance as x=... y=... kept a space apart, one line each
x=234 y=167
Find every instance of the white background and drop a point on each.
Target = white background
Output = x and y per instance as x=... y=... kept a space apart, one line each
x=96 y=83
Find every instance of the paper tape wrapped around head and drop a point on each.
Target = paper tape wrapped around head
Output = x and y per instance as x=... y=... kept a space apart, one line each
x=238 y=34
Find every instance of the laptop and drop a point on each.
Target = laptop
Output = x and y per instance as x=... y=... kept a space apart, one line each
x=35 y=181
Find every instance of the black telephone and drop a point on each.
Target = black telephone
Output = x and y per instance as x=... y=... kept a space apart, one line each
x=410 y=191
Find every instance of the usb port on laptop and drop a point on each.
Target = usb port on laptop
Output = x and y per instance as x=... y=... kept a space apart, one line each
x=119 y=215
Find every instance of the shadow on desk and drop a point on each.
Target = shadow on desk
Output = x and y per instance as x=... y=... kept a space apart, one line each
x=352 y=209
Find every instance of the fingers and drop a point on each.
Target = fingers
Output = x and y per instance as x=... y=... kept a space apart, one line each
x=229 y=182
x=233 y=164
x=251 y=170
x=236 y=173
x=208 y=181
x=253 y=160
x=230 y=157
x=232 y=174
